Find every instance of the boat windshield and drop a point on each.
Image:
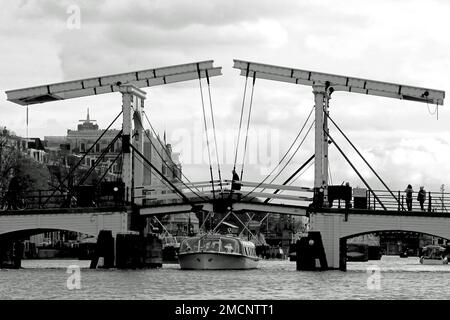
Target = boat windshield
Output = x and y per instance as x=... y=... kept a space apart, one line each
x=229 y=245
x=433 y=253
x=189 y=245
x=210 y=244
x=216 y=244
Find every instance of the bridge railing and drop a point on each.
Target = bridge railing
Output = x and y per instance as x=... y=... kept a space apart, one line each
x=205 y=190
x=158 y=195
x=273 y=193
x=41 y=199
x=434 y=201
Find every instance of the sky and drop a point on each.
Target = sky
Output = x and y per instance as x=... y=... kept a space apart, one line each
x=398 y=41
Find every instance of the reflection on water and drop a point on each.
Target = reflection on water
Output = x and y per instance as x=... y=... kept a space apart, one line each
x=400 y=279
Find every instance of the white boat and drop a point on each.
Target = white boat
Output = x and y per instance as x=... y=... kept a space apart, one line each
x=217 y=252
x=433 y=255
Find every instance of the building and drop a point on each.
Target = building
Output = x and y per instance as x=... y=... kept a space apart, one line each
x=34 y=148
x=77 y=142
x=82 y=140
x=178 y=224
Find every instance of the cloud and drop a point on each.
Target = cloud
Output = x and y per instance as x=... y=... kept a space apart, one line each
x=403 y=42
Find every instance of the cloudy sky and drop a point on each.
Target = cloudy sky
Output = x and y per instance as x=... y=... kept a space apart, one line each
x=396 y=41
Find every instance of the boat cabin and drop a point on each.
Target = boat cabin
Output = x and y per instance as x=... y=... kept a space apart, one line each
x=220 y=244
x=433 y=252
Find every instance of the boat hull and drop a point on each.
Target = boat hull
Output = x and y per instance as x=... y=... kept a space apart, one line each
x=433 y=261
x=216 y=261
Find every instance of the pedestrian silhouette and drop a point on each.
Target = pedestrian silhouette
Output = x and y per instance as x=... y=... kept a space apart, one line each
x=421 y=195
x=409 y=196
x=235 y=186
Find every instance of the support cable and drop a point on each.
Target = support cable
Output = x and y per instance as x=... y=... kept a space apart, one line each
x=147 y=167
x=166 y=152
x=97 y=161
x=214 y=131
x=367 y=163
x=293 y=181
x=295 y=152
x=357 y=172
x=292 y=176
x=183 y=196
x=169 y=157
x=206 y=131
x=284 y=156
x=109 y=168
x=248 y=125
x=330 y=177
x=59 y=187
x=92 y=168
x=240 y=120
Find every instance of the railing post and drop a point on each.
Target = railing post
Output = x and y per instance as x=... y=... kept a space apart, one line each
x=429 y=201
x=368 y=199
x=398 y=201
x=403 y=197
x=39 y=199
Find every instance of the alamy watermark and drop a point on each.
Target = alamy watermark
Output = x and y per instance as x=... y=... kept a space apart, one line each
x=374 y=278
x=262 y=150
x=73 y=21
x=74 y=280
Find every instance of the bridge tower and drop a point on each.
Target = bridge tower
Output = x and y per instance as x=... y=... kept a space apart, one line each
x=132 y=132
x=324 y=85
x=129 y=85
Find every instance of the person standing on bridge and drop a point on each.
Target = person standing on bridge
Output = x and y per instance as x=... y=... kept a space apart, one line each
x=421 y=195
x=234 y=185
x=409 y=196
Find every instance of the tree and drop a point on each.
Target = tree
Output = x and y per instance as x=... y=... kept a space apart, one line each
x=68 y=176
x=28 y=174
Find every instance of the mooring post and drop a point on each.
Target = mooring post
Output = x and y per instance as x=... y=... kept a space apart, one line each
x=105 y=251
x=309 y=250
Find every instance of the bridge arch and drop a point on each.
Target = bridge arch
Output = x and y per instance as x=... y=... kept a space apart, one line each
x=21 y=234
x=390 y=230
x=337 y=227
x=89 y=223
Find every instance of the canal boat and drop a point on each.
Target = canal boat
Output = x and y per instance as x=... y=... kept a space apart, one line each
x=217 y=252
x=433 y=254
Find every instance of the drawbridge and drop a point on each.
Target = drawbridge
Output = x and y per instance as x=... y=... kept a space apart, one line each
x=236 y=195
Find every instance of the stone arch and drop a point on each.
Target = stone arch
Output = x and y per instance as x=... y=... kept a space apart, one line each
x=391 y=230
x=19 y=234
x=336 y=227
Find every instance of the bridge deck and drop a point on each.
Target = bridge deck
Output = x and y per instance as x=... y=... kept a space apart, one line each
x=380 y=212
x=65 y=210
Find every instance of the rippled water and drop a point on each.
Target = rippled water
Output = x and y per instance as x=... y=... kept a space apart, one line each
x=400 y=279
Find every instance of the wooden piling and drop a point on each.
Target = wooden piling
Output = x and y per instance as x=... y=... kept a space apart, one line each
x=104 y=249
x=135 y=251
x=309 y=250
x=11 y=253
x=152 y=252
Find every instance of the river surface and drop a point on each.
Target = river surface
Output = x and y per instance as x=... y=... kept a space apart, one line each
x=389 y=278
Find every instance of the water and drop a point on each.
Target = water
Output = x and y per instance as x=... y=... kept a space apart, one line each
x=400 y=279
